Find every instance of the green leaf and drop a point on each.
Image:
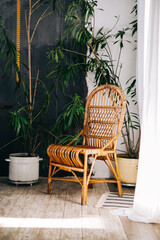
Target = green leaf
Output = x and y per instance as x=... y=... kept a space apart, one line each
x=121 y=44
x=56 y=57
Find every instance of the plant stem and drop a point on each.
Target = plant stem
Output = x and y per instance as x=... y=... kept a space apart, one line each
x=35 y=90
x=126 y=144
x=94 y=53
x=10 y=142
x=36 y=147
x=138 y=143
x=119 y=56
x=41 y=17
x=35 y=4
x=51 y=134
x=29 y=76
x=29 y=56
x=78 y=53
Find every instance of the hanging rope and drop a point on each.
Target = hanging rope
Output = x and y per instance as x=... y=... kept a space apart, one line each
x=18 y=36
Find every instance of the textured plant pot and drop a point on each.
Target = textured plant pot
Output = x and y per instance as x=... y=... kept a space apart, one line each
x=128 y=168
x=23 y=168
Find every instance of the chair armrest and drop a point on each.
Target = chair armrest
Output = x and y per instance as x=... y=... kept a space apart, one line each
x=74 y=138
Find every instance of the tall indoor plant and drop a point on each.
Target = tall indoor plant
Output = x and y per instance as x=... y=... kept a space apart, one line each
x=128 y=164
x=93 y=53
x=28 y=118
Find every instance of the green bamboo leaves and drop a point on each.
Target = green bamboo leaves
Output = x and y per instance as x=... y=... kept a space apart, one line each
x=18 y=121
x=73 y=114
x=7 y=52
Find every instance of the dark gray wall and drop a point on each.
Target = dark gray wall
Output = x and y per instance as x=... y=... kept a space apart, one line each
x=45 y=38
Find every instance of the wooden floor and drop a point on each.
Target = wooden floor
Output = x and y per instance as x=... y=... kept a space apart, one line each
x=27 y=212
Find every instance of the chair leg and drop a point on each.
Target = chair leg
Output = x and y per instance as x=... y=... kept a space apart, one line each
x=49 y=179
x=84 y=196
x=49 y=188
x=119 y=185
x=84 y=186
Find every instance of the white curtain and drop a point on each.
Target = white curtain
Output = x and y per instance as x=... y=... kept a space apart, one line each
x=146 y=206
x=147 y=195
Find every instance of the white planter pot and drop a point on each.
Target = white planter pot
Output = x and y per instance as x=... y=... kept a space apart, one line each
x=23 y=169
x=100 y=169
x=128 y=170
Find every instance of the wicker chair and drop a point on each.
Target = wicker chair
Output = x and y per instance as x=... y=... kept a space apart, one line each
x=104 y=115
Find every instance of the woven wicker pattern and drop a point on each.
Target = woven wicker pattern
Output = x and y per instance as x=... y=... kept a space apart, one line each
x=104 y=115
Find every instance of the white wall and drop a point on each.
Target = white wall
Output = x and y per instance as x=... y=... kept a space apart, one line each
x=107 y=20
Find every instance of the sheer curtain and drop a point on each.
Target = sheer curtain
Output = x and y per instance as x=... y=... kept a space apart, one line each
x=147 y=195
x=146 y=206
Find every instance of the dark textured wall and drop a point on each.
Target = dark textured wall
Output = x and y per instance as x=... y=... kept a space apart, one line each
x=45 y=38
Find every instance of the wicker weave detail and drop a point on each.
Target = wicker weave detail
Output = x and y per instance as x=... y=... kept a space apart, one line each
x=65 y=155
x=103 y=117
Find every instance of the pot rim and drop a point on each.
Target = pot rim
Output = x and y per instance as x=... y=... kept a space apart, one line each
x=126 y=156
x=24 y=155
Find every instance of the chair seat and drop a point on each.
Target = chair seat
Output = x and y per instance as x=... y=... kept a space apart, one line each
x=94 y=150
x=84 y=149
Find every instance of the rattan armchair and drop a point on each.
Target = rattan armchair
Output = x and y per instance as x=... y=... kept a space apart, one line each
x=104 y=115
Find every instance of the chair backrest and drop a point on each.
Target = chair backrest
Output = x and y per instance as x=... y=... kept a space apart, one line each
x=104 y=115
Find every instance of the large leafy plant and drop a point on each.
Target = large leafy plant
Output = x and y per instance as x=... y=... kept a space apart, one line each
x=92 y=52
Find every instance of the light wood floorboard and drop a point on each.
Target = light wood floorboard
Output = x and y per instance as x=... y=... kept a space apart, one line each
x=28 y=213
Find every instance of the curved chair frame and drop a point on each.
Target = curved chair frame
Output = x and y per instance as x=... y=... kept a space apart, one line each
x=104 y=116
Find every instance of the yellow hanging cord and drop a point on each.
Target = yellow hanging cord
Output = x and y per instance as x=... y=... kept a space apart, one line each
x=18 y=36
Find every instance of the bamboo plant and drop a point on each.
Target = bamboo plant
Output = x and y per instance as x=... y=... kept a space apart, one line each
x=97 y=58
x=26 y=119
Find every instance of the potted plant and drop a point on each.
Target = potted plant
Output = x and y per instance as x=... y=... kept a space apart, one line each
x=93 y=54
x=128 y=162
x=27 y=118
